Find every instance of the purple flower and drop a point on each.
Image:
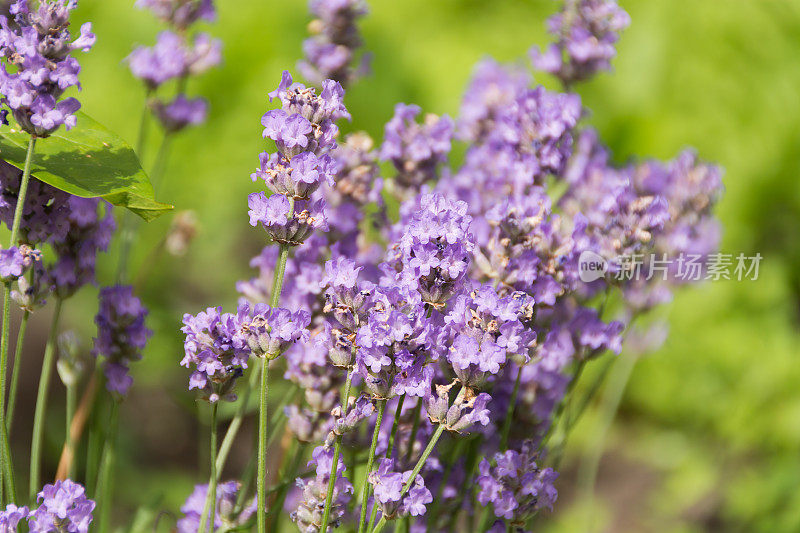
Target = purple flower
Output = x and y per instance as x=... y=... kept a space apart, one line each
x=225 y=512
x=269 y=332
x=286 y=223
x=15 y=261
x=36 y=45
x=180 y=13
x=515 y=486
x=586 y=31
x=217 y=350
x=416 y=150
x=388 y=487
x=121 y=334
x=331 y=51
x=434 y=249
x=86 y=231
x=11 y=517
x=181 y=112
x=63 y=506
x=308 y=513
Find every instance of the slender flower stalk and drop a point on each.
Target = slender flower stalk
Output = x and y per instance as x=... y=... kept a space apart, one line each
x=105 y=483
x=277 y=288
x=261 y=473
x=12 y=390
x=211 y=496
x=41 y=401
x=389 y=449
x=336 y=451
x=362 y=523
x=7 y=467
x=70 y=415
x=23 y=191
x=617 y=383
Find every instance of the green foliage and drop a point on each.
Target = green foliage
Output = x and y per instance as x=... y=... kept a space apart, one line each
x=88 y=161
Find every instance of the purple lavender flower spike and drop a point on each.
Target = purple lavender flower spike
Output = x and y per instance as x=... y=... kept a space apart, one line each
x=586 y=32
x=121 y=335
x=433 y=252
x=416 y=150
x=37 y=46
x=217 y=350
x=331 y=51
x=181 y=113
x=388 y=487
x=180 y=13
x=176 y=56
x=269 y=332
x=304 y=132
x=86 y=232
x=516 y=487
x=226 y=511
x=308 y=514
x=63 y=506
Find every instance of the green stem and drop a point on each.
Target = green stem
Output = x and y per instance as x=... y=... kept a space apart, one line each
x=587 y=473
x=398 y=411
x=23 y=192
x=262 y=448
x=556 y=418
x=6 y=468
x=160 y=164
x=210 y=506
x=41 y=403
x=72 y=400
x=326 y=513
x=236 y=422
x=420 y=463
x=94 y=444
x=105 y=484
x=277 y=288
x=141 y=141
x=362 y=523
x=510 y=412
x=12 y=391
x=6 y=461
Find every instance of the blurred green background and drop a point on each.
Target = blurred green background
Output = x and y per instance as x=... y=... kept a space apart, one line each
x=708 y=435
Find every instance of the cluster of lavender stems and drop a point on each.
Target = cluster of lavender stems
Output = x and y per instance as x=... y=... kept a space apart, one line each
x=446 y=343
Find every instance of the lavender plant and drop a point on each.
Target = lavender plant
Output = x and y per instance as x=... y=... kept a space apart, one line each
x=431 y=357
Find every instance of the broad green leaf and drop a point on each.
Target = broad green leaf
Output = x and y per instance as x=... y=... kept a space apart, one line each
x=88 y=161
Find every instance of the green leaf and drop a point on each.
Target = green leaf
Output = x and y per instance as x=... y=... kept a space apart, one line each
x=88 y=161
